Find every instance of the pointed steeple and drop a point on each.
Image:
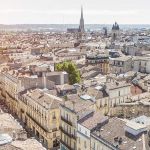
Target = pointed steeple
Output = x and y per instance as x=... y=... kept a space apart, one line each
x=81 y=12
x=81 y=26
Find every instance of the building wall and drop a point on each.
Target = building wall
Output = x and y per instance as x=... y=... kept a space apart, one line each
x=131 y=50
x=131 y=111
x=68 y=128
x=83 y=130
x=136 y=66
x=19 y=55
x=29 y=82
x=141 y=66
x=120 y=67
x=83 y=134
x=134 y=131
x=115 y=35
x=43 y=122
x=106 y=103
x=127 y=65
x=147 y=67
x=105 y=68
x=117 y=92
x=58 y=78
x=103 y=64
x=11 y=86
x=118 y=100
x=22 y=110
x=97 y=145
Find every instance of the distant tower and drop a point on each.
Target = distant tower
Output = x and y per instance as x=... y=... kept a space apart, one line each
x=105 y=31
x=81 y=26
x=115 y=31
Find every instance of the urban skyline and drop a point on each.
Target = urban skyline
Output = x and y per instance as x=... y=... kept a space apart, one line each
x=75 y=75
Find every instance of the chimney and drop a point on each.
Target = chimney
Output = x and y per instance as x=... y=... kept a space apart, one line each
x=117 y=83
x=73 y=105
x=44 y=80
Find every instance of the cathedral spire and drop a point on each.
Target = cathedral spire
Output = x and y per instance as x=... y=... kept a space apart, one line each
x=81 y=12
x=81 y=26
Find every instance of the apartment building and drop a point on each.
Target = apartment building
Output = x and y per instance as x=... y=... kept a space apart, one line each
x=118 y=89
x=86 y=126
x=118 y=92
x=98 y=132
x=101 y=60
x=72 y=110
x=13 y=82
x=141 y=64
x=37 y=109
x=40 y=113
x=11 y=86
x=120 y=65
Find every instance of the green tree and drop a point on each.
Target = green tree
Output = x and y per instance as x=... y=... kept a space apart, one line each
x=59 y=67
x=71 y=69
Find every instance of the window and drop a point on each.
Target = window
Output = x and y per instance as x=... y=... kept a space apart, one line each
x=79 y=128
x=70 y=130
x=79 y=140
x=53 y=115
x=65 y=138
x=74 y=145
x=63 y=113
x=84 y=144
x=94 y=146
x=67 y=116
x=74 y=132
x=54 y=135
x=119 y=93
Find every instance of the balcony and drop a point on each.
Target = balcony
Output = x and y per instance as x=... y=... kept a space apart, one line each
x=54 y=130
x=67 y=146
x=65 y=120
x=46 y=130
x=13 y=98
x=55 y=148
x=68 y=134
x=74 y=137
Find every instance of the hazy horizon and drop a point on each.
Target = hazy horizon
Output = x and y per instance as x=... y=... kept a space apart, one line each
x=71 y=24
x=68 y=11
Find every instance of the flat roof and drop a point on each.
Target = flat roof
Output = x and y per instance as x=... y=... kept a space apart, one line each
x=123 y=58
x=115 y=129
x=86 y=97
x=134 y=125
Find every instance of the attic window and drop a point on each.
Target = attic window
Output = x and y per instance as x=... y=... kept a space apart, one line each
x=41 y=96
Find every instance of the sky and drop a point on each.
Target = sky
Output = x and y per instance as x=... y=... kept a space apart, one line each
x=68 y=11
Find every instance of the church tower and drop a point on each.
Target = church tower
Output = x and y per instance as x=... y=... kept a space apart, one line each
x=81 y=26
x=115 y=31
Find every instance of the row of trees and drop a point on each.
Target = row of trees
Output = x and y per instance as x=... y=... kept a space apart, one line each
x=71 y=69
